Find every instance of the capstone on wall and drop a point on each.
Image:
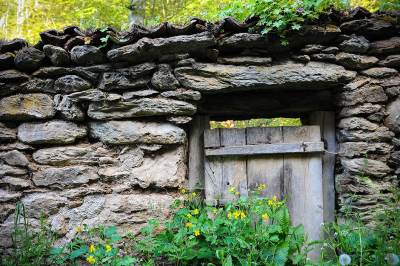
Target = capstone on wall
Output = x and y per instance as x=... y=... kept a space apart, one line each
x=99 y=136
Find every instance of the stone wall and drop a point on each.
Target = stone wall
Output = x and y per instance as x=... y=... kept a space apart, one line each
x=99 y=135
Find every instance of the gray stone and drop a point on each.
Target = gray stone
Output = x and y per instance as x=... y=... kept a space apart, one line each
x=12 y=75
x=37 y=85
x=366 y=167
x=186 y=62
x=356 y=44
x=16 y=183
x=380 y=134
x=312 y=49
x=52 y=132
x=68 y=109
x=396 y=142
x=182 y=94
x=15 y=158
x=357 y=123
x=150 y=147
x=219 y=78
x=330 y=50
x=354 y=61
x=8 y=170
x=389 y=46
x=395 y=158
x=164 y=79
x=139 y=108
x=301 y=58
x=394 y=81
x=391 y=61
x=392 y=121
x=173 y=57
x=57 y=55
x=137 y=94
x=245 y=60
x=127 y=78
x=323 y=57
x=366 y=94
x=84 y=154
x=6 y=196
x=7 y=134
x=127 y=132
x=16 y=146
x=71 y=83
x=70 y=176
x=361 y=110
x=6 y=61
x=5 y=211
x=56 y=72
x=26 y=107
x=12 y=45
x=46 y=203
x=361 y=149
x=380 y=72
x=393 y=91
x=358 y=82
x=86 y=55
x=371 y=28
x=29 y=59
x=179 y=120
x=148 y=49
x=92 y=95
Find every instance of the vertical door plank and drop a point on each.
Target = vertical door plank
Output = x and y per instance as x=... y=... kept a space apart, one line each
x=265 y=169
x=212 y=138
x=212 y=168
x=303 y=183
x=233 y=168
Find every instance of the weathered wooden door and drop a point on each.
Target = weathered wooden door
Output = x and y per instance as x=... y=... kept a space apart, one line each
x=287 y=159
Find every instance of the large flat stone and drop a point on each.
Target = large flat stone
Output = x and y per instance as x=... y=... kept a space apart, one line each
x=380 y=134
x=27 y=107
x=355 y=61
x=209 y=78
x=366 y=167
x=52 y=132
x=392 y=121
x=148 y=49
x=357 y=123
x=46 y=203
x=139 y=108
x=361 y=110
x=361 y=149
x=389 y=46
x=366 y=94
x=127 y=132
x=15 y=158
x=70 y=176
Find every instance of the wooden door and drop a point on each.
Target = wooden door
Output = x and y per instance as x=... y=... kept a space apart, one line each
x=287 y=159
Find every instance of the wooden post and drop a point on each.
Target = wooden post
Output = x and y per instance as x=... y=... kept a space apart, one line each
x=326 y=121
x=196 y=152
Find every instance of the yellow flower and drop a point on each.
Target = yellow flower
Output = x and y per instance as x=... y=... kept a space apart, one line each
x=236 y=214
x=183 y=190
x=189 y=215
x=189 y=225
x=92 y=248
x=232 y=190
x=242 y=215
x=196 y=232
x=79 y=229
x=265 y=217
x=237 y=193
x=261 y=187
x=229 y=215
x=195 y=211
x=91 y=259
x=108 y=248
x=194 y=194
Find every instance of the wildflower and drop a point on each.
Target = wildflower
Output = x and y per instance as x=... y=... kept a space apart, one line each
x=232 y=190
x=108 y=248
x=92 y=248
x=91 y=259
x=392 y=259
x=237 y=193
x=265 y=217
x=189 y=215
x=196 y=232
x=261 y=187
x=242 y=215
x=344 y=259
x=79 y=229
x=229 y=215
x=195 y=211
x=236 y=214
x=183 y=190
x=194 y=194
x=189 y=225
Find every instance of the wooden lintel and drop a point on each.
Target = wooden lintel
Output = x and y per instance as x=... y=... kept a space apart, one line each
x=263 y=149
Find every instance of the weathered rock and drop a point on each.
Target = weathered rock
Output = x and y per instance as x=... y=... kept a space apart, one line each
x=358 y=82
x=16 y=146
x=173 y=57
x=5 y=211
x=92 y=95
x=68 y=109
x=393 y=91
x=366 y=94
x=392 y=121
x=12 y=75
x=29 y=59
x=70 y=176
x=394 y=81
x=361 y=149
x=56 y=72
x=12 y=45
x=380 y=72
x=148 y=49
x=301 y=58
x=330 y=50
x=149 y=148
x=391 y=61
x=15 y=158
x=354 y=61
x=26 y=107
x=7 y=134
x=139 y=108
x=323 y=57
x=6 y=61
x=137 y=94
x=164 y=79
x=83 y=154
x=182 y=94
x=47 y=203
x=71 y=83
x=186 y=62
x=361 y=110
x=179 y=120
x=6 y=196
x=219 y=78
x=379 y=135
x=57 y=55
x=86 y=55
x=366 y=167
x=356 y=44
x=357 y=123
x=52 y=132
x=389 y=46
x=16 y=183
x=395 y=158
x=312 y=49
x=127 y=132
x=37 y=85
x=8 y=170
x=245 y=61
x=127 y=78
x=371 y=28
x=396 y=142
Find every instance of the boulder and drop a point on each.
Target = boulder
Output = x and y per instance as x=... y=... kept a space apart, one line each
x=29 y=59
x=128 y=132
x=357 y=123
x=381 y=134
x=27 y=107
x=355 y=44
x=15 y=158
x=12 y=75
x=71 y=176
x=371 y=28
x=354 y=61
x=182 y=94
x=68 y=109
x=149 y=49
x=57 y=55
x=389 y=46
x=71 y=83
x=379 y=72
x=164 y=79
x=12 y=45
x=212 y=78
x=139 y=108
x=391 y=61
x=361 y=149
x=365 y=94
x=86 y=55
x=6 y=61
x=392 y=121
x=7 y=134
x=361 y=110
x=84 y=154
x=245 y=61
x=52 y=132
x=366 y=167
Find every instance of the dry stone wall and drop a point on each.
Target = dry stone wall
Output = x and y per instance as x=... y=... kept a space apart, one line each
x=99 y=136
